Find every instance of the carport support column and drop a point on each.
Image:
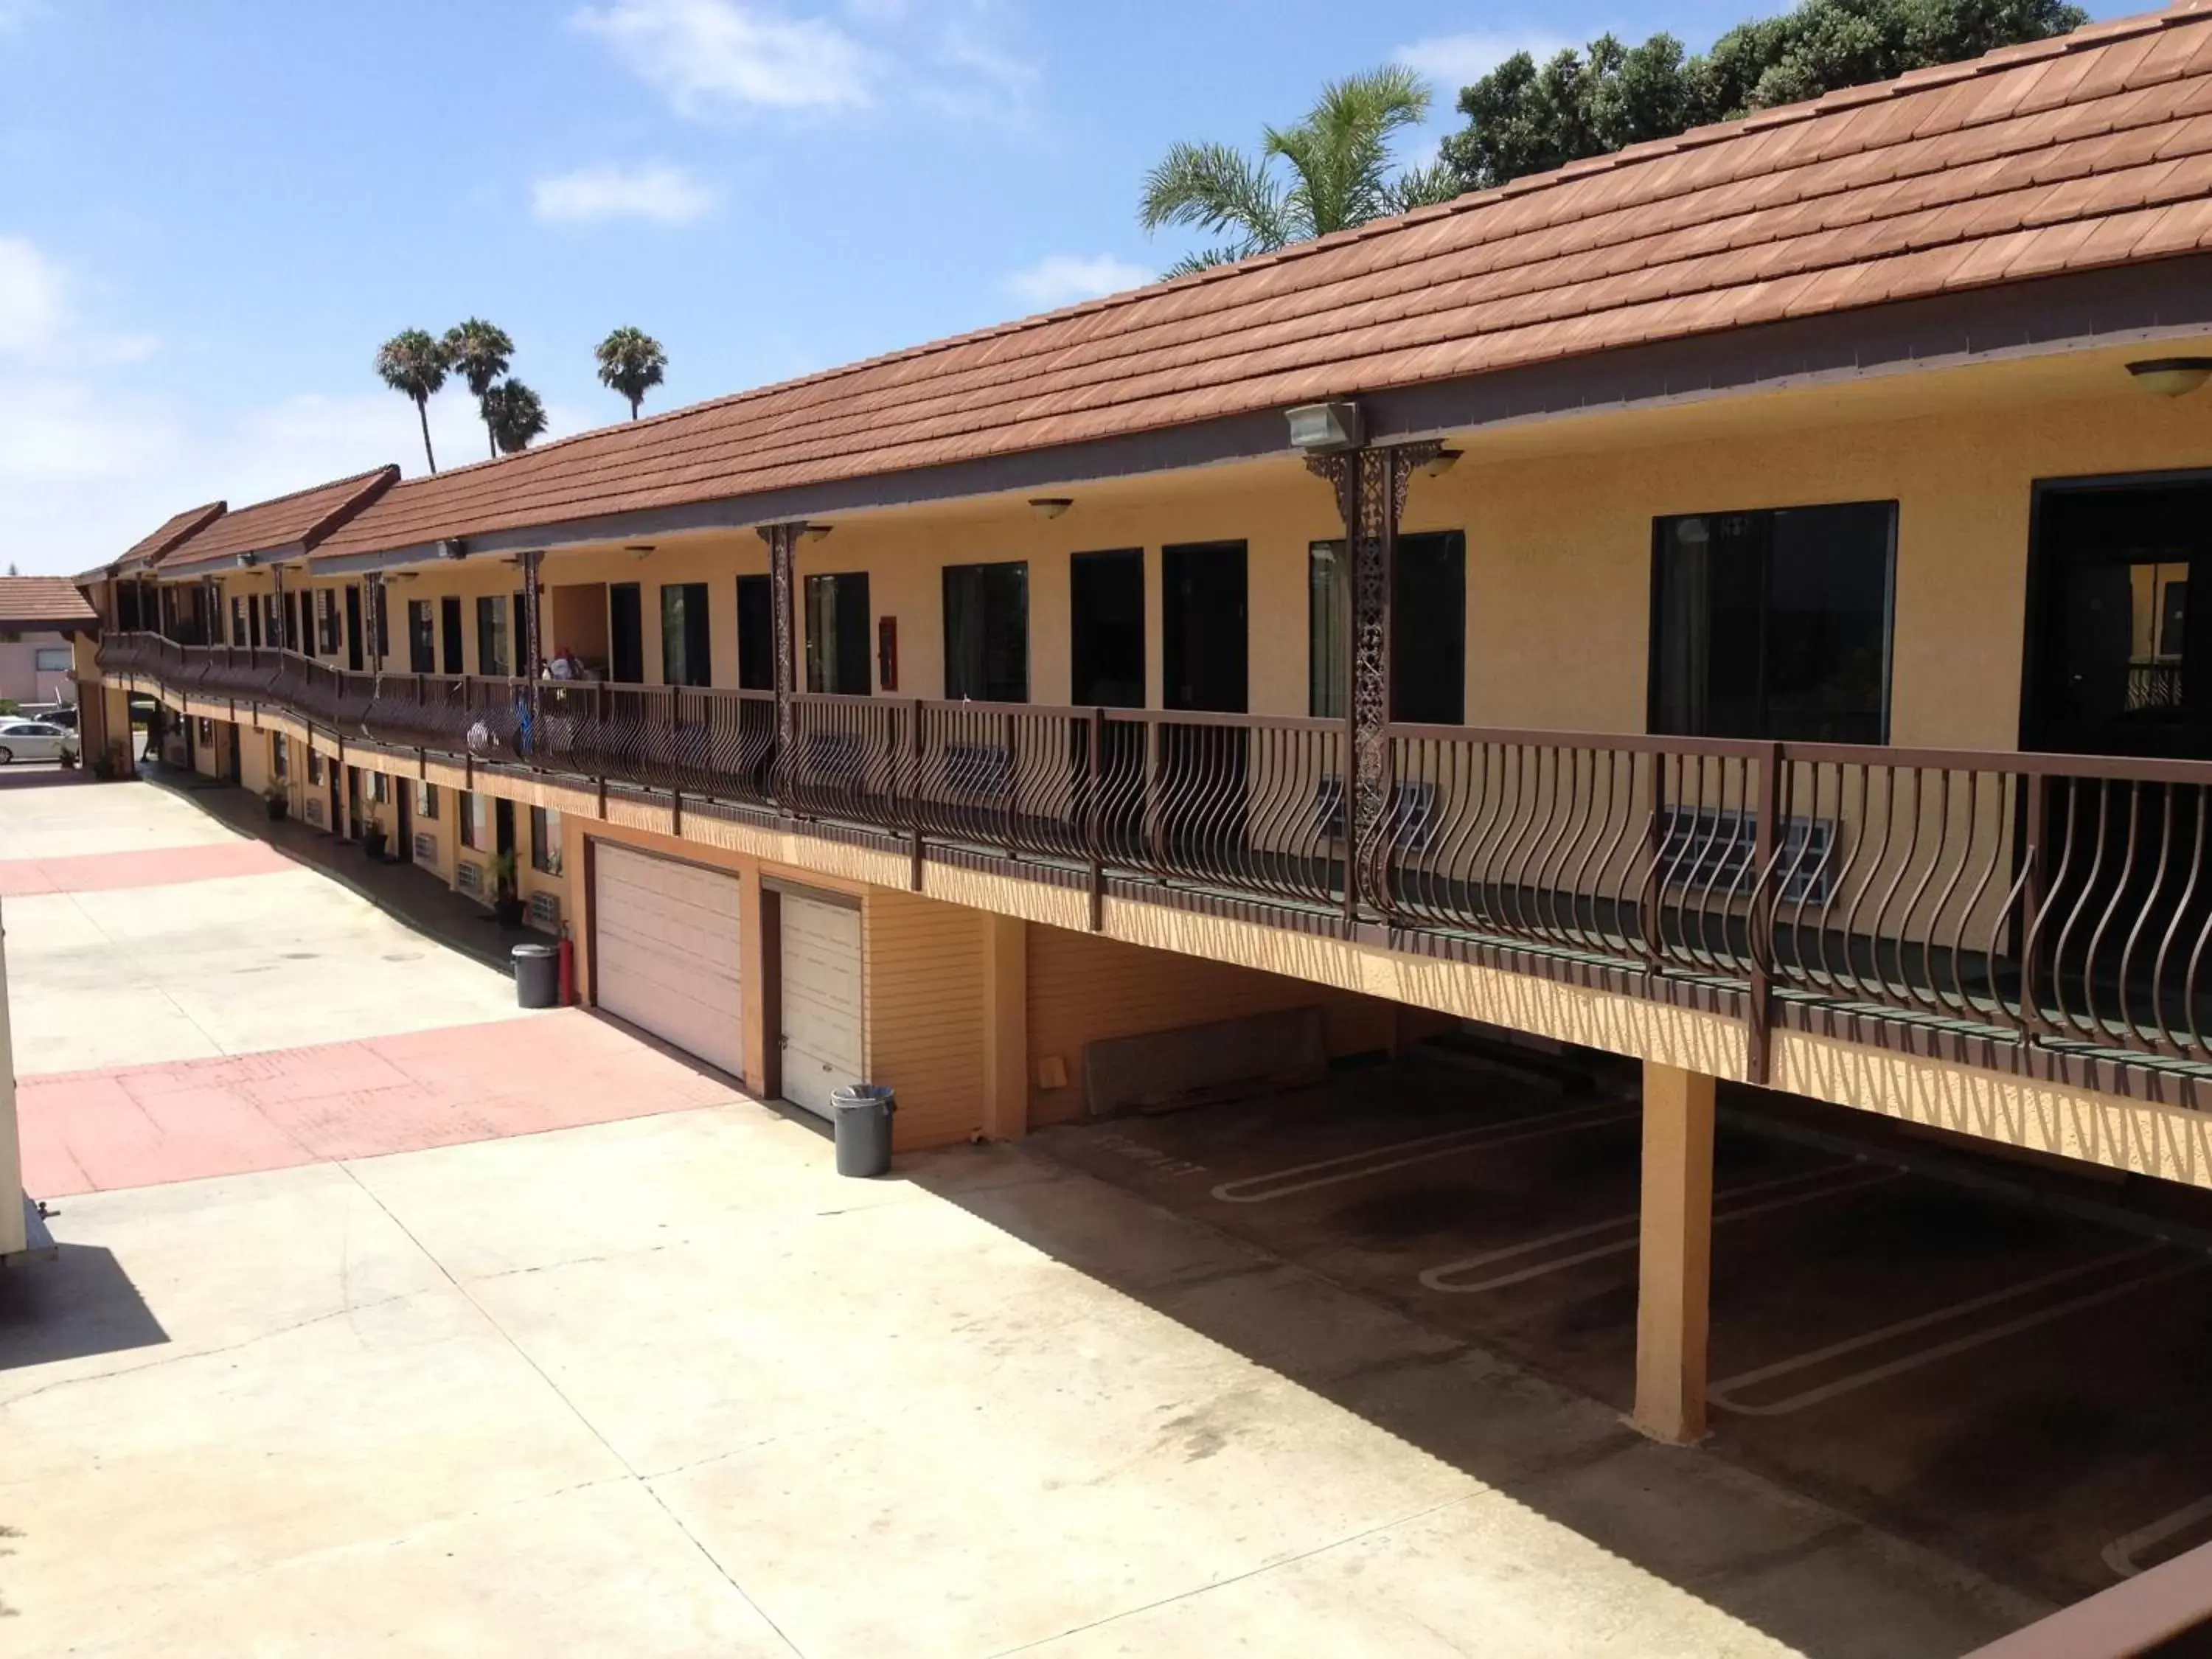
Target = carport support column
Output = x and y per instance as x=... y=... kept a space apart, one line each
x=1674 y=1255
x=1006 y=1027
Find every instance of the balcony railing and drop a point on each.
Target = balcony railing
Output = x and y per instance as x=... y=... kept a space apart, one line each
x=2059 y=904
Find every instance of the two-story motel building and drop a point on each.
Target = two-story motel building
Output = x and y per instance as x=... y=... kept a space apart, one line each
x=1694 y=558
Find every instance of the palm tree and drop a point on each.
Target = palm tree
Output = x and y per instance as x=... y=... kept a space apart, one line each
x=631 y=362
x=513 y=415
x=1340 y=174
x=413 y=362
x=479 y=352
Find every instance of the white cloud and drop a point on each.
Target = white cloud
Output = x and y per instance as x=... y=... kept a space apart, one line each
x=34 y=312
x=1061 y=279
x=661 y=194
x=707 y=55
x=1453 y=61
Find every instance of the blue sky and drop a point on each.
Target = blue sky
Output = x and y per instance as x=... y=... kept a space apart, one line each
x=211 y=213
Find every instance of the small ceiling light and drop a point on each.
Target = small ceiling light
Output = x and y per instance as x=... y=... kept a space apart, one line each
x=1445 y=460
x=638 y=550
x=1050 y=507
x=2172 y=377
x=1319 y=428
x=815 y=533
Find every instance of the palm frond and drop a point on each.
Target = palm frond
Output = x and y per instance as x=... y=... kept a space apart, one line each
x=1215 y=189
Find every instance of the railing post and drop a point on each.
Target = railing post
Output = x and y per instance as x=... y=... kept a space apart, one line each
x=913 y=789
x=782 y=541
x=1093 y=827
x=1759 y=1002
x=531 y=634
x=2036 y=809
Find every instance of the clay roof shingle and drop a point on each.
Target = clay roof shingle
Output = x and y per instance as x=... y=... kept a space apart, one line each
x=298 y=522
x=43 y=603
x=2092 y=149
x=152 y=549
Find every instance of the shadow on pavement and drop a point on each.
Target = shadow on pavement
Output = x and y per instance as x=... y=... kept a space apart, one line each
x=79 y=1305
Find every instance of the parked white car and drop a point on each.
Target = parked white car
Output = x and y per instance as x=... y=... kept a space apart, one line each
x=22 y=739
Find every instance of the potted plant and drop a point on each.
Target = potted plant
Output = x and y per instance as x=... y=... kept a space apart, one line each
x=372 y=837
x=276 y=801
x=507 y=904
x=66 y=755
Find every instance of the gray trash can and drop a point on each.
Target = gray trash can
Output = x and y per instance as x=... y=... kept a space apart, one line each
x=861 y=1117
x=537 y=975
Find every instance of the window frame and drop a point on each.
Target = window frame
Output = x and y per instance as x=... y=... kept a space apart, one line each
x=976 y=578
x=40 y=665
x=545 y=831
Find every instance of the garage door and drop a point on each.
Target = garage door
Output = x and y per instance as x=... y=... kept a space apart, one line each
x=665 y=935
x=821 y=986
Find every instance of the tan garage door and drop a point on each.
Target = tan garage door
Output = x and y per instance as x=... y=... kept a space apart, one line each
x=820 y=988
x=665 y=935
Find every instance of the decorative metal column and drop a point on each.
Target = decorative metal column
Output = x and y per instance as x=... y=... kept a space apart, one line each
x=782 y=541
x=529 y=562
x=216 y=628
x=1370 y=485
x=281 y=634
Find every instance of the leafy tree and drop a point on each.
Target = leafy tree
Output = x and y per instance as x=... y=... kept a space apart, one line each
x=1524 y=117
x=413 y=362
x=513 y=415
x=631 y=362
x=479 y=352
x=1338 y=159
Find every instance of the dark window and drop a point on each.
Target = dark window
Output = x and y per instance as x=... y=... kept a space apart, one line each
x=326 y=622
x=1774 y=625
x=296 y=638
x=491 y=635
x=422 y=638
x=314 y=765
x=686 y=656
x=425 y=801
x=238 y=620
x=987 y=632
x=519 y=637
x=449 y=627
x=279 y=757
x=472 y=817
x=545 y=841
x=353 y=628
x=1428 y=629
x=626 y=623
x=1202 y=605
x=755 y=635
x=837 y=634
x=1106 y=615
x=380 y=615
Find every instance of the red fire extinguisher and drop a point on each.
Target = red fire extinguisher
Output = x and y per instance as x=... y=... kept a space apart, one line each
x=568 y=967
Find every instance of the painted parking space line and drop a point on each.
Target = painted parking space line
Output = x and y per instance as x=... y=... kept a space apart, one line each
x=2122 y=1554
x=1780 y=1193
x=1722 y=1394
x=1422 y=1149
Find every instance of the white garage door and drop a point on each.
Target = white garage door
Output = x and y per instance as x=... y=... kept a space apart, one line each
x=666 y=938
x=821 y=987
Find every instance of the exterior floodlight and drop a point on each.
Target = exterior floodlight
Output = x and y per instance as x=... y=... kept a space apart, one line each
x=2172 y=377
x=454 y=547
x=1319 y=428
x=1050 y=507
x=1445 y=460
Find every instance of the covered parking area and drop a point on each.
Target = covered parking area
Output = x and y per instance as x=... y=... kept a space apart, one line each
x=1996 y=1354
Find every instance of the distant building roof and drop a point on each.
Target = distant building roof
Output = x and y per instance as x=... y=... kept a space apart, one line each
x=2087 y=151
x=43 y=603
x=290 y=524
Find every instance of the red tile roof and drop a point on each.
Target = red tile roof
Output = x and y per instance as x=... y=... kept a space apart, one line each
x=297 y=522
x=152 y=549
x=2094 y=149
x=42 y=604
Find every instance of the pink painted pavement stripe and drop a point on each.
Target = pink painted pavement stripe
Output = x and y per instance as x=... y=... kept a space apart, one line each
x=144 y=1126
x=155 y=866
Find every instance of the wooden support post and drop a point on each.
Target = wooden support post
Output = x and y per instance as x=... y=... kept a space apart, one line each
x=1005 y=1026
x=1674 y=1255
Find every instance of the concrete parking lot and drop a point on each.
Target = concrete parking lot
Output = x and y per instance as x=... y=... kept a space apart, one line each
x=2005 y=1371
x=360 y=1346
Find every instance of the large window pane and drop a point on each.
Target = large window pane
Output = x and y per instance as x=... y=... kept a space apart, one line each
x=1428 y=628
x=492 y=656
x=1329 y=600
x=686 y=657
x=837 y=634
x=1775 y=625
x=755 y=635
x=422 y=638
x=987 y=632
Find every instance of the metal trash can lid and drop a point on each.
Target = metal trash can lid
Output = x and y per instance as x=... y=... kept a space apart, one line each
x=857 y=1095
x=532 y=952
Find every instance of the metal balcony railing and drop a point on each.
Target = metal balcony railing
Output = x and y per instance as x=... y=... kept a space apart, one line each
x=2060 y=903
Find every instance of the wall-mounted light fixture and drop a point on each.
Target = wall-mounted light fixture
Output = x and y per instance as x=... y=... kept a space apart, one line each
x=1050 y=507
x=2172 y=377
x=815 y=533
x=638 y=550
x=1319 y=428
x=1445 y=460
x=454 y=547
x=403 y=575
